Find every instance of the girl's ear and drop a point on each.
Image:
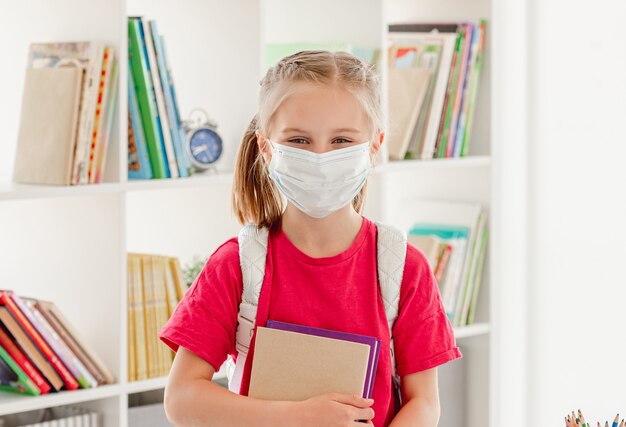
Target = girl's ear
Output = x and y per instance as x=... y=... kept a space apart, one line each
x=377 y=143
x=264 y=147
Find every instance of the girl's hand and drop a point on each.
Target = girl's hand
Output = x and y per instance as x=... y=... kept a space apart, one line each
x=333 y=410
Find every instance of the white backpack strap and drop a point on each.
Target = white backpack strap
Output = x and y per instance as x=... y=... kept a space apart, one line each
x=252 y=256
x=391 y=254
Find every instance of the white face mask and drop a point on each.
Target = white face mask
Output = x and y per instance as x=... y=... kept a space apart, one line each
x=320 y=183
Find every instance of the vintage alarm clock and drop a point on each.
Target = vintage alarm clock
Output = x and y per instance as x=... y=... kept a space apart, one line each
x=203 y=145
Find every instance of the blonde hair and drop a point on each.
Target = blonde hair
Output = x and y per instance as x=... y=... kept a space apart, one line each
x=255 y=197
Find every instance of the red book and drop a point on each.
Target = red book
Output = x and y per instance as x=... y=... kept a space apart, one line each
x=7 y=343
x=6 y=299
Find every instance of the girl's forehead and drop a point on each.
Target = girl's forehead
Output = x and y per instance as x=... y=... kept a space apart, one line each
x=315 y=106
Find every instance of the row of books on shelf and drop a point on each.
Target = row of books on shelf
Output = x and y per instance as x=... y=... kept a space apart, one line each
x=156 y=137
x=453 y=236
x=433 y=78
x=40 y=351
x=68 y=105
x=155 y=286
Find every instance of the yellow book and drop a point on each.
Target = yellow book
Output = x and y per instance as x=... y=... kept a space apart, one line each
x=139 y=319
x=179 y=282
x=170 y=286
x=132 y=354
x=158 y=270
x=149 y=316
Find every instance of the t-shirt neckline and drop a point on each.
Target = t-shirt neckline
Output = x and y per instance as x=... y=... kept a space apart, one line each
x=350 y=251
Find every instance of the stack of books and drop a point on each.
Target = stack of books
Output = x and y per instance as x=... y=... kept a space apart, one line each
x=296 y=362
x=454 y=237
x=155 y=286
x=67 y=111
x=63 y=416
x=40 y=351
x=156 y=136
x=433 y=75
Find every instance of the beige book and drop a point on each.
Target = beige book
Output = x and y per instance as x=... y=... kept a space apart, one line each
x=294 y=366
x=48 y=126
x=150 y=317
x=159 y=263
x=139 y=317
x=429 y=245
x=132 y=352
x=407 y=89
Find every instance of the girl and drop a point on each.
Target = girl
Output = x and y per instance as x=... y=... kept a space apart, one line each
x=316 y=109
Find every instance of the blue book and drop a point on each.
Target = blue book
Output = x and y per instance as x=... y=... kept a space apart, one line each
x=170 y=79
x=156 y=117
x=373 y=342
x=138 y=156
x=169 y=102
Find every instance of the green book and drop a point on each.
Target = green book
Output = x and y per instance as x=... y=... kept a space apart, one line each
x=140 y=73
x=474 y=88
x=452 y=84
x=478 y=276
x=13 y=378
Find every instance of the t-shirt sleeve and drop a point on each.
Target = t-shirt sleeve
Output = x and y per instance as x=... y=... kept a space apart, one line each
x=423 y=335
x=205 y=320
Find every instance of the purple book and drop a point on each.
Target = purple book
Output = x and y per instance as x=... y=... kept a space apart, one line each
x=373 y=342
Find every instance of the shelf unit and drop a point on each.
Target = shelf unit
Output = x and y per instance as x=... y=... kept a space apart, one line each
x=217 y=61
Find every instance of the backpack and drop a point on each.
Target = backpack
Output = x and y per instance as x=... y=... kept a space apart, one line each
x=390 y=252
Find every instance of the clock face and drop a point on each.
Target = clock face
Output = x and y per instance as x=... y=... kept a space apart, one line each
x=205 y=146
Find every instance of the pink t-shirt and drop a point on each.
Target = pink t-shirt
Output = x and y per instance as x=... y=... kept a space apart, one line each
x=339 y=292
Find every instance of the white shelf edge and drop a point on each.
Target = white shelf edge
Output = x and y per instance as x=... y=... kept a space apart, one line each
x=14 y=403
x=477 y=329
x=415 y=165
x=9 y=192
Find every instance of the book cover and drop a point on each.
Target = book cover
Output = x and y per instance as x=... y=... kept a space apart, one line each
x=69 y=359
x=145 y=97
x=373 y=342
x=294 y=366
x=132 y=352
x=478 y=276
x=158 y=274
x=13 y=378
x=429 y=246
x=87 y=55
x=48 y=126
x=174 y=124
x=166 y=135
x=465 y=299
x=426 y=33
x=138 y=160
x=29 y=348
x=46 y=310
x=150 y=317
x=16 y=307
x=181 y=287
x=20 y=358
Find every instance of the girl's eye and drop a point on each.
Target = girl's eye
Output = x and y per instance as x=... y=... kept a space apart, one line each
x=341 y=141
x=298 y=141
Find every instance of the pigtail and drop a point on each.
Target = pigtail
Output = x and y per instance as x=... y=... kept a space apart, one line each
x=255 y=197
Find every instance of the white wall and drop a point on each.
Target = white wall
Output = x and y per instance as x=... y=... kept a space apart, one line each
x=577 y=208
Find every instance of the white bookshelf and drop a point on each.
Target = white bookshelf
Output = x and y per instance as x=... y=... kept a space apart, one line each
x=216 y=51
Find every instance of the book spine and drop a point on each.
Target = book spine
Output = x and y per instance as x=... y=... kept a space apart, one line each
x=10 y=300
x=474 y=92
x=101 y=153
x=20 y=358
x=145 y=98
x=168 y=100
x=458 y=98
x=450 y=95
x=138 y=160
x=24 y=383
x=93 y=138
x=170 y=80
x=163 y=125
x=478 y=277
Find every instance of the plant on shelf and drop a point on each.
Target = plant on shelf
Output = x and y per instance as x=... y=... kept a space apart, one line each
x=193 y=268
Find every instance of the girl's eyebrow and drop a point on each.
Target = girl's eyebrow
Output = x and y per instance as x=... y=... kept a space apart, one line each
x=286 y=130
